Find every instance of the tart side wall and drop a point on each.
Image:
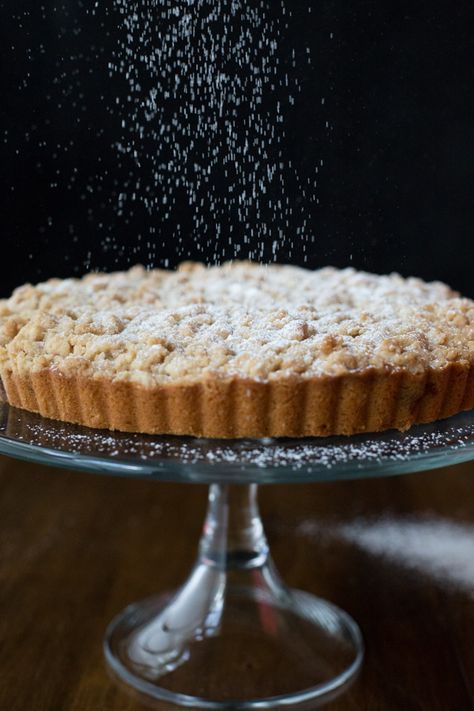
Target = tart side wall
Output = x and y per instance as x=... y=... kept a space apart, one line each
x=369 y=401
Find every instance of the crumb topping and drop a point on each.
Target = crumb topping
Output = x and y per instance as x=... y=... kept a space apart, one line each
x=237 y=320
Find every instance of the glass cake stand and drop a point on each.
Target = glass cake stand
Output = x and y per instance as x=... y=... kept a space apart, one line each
x=233 y=636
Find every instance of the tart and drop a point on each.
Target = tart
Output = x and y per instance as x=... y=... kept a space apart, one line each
x=239 y=350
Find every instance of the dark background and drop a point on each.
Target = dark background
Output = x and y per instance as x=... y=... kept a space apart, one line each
x=395 y=192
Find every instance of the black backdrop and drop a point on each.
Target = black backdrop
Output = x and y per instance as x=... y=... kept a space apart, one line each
x=395 y=192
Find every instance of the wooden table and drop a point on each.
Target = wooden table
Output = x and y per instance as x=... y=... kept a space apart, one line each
x=397 y=554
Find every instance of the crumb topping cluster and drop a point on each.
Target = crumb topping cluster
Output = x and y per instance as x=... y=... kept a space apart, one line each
x=236 y=320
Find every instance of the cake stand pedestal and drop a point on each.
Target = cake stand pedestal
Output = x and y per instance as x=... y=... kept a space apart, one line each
x=233 y=636
x=234 y=618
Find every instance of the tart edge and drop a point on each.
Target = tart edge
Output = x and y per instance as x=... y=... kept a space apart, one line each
x=365 y=401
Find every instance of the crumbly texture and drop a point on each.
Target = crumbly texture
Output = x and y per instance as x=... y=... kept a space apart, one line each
x=237 y=322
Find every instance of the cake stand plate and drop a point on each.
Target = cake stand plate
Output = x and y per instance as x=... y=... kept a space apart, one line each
x=234 y=636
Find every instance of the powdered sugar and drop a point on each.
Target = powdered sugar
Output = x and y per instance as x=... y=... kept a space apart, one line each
x=433 y=546
x=267 y=460
x=237 y=320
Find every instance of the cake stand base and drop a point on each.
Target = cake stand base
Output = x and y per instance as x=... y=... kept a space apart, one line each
x=233 y=636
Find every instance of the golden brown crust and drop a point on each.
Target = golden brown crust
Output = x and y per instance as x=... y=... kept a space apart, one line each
x=239 y=350
x=367 y=401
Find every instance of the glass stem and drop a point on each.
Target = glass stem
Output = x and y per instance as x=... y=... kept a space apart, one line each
x=233 y=537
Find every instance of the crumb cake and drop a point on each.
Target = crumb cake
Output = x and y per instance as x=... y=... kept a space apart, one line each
x=239 y=350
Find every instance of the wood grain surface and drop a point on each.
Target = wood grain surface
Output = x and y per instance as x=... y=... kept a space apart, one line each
x=398 y=554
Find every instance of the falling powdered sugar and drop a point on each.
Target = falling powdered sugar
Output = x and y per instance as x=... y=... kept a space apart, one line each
x=204 y=92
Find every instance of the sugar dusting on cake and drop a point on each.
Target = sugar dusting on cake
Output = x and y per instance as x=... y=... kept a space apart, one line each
x=239 y=319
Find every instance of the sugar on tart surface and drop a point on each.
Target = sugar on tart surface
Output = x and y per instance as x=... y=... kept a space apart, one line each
x=240 y=350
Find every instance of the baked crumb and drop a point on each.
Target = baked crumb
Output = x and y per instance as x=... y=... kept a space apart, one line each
x=236 y=320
